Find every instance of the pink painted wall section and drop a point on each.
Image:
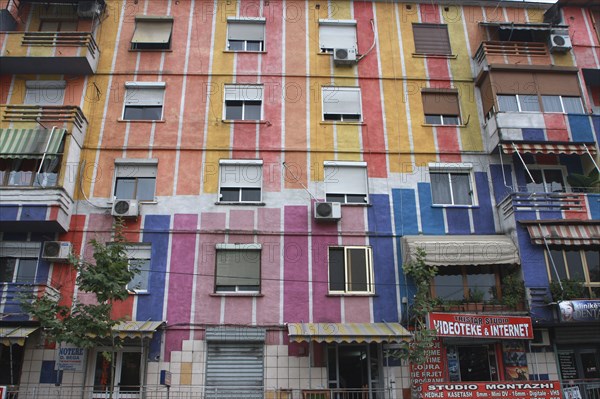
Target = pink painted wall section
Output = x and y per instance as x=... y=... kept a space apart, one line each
x=583 y=37
x=295 y=258
x=325 y=308
x=183 y=251
x=447 y=143
x=556 y=127
x=373 y=140
x=207 y=307
x=267 y=309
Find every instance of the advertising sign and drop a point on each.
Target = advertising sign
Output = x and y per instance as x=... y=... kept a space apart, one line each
x=572 y=393
x=583 y=310
x=3 y=392
x=70 y=358
x=433 y=370
x=500 y=390
x=481 y=326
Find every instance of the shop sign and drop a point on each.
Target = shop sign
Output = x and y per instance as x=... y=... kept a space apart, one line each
x=583 y=310
x=3 y=392
x=481 y=326
x=492 y=390
x=70 y=358
x=572 y=393
x=433 y=369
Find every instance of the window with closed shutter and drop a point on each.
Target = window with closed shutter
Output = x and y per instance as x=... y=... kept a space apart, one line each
x=152 y=33
x=135 y=179
x=346 y=182
x=240 y=180
x=45 y=92
x=431 y=39
x=143 y=101
x=342 y=104
x=245 y=34
x=238 y=268
x=337 y=34
x=441 y=107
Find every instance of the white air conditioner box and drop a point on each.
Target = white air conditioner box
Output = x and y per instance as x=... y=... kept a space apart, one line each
x=56 y=251
x=328 y=211
x=344 y=56
x=559 y=43
x=125 y=208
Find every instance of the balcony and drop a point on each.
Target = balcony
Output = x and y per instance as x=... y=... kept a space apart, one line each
x=65 y=53
x=548 y=206
x=40 y=149
x=12 y=295
x=508 y=127
x=514 y=53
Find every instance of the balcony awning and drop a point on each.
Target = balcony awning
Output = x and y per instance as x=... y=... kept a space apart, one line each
x=348 y=332
x=513 y=26
x=548 y=148
x=152 y=30
x=137 y=329
x=30 y=143
x=15 y=335
x=462 y=250
x=564 y=234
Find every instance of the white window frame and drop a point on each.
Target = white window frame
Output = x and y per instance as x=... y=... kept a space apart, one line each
x=239 y=248
x=45 y=92
x=20 y=250
x=369 y=272
x=456 y=168
x=543 y=168
x=235 y=92
x=443 y=121
x=130 y=100
x=141 y=252
x=247 y=21
x=562 y=105
x=327 y=95
x=331 y=168
x=135 y=168
x=239 y=165
x=348 y=26
x=518 y=99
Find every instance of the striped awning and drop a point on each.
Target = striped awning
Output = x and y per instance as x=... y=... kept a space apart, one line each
x=521 y=26
x=137 y=329
x=548 y=148
x=565 y=234
x=15 y=335
x=30 y=143
x=347 y=332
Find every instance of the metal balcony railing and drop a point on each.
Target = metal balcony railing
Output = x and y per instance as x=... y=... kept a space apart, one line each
x=520 y=201
x=497 y=48
x=44 y=113
x=61 y=39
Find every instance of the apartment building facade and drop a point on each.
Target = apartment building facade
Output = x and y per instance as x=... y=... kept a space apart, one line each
x=276 y=163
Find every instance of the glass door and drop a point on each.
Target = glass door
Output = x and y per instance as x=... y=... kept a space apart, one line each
x=127 y=374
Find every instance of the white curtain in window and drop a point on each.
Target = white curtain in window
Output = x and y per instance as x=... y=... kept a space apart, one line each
x=552 y=104
x=345 y=179
x=341 y=100
x=572 y=105
x=334 y=34
x=243 y=92
x=246 y=30
x=141 y=93
x=529 y=103
x=440 y=188
x=45 y=92
x=507 y=103
x=248 y=175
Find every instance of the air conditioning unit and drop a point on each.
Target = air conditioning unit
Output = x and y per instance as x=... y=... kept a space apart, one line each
x=559 y=43
x=344 y=56
x=328 y=211
x=125 y=208
x=89 y=9
x=540 y=338
x=56 y=251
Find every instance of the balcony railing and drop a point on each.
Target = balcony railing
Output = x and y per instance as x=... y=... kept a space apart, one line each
x=12 y=295
x=61 y=39
x=45 y=113
x=526 y=49
x=523 y=201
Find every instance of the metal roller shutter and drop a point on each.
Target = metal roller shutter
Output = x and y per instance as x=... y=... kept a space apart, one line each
x=234 y=370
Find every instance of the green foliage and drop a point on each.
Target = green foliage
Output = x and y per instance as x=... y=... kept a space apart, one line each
x=476 y=295
x=88 y=325
x=588 y=183
x=423 y=303
x=513 y=290
x=571 y=289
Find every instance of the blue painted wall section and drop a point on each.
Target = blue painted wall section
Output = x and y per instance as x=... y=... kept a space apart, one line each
x=581 y=128
x=533 y=134
x=8 y=212
x=432 y=218
x=385 y=303
x=34 y=213
x=498 y=183
x=405 y=212
x=483 y=217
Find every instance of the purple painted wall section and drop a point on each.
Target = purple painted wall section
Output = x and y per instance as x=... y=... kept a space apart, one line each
x=295 y=305
x=267 y=307
x=325 y=308
x=183 y=251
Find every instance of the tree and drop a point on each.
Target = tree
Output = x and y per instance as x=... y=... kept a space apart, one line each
x=106 y=277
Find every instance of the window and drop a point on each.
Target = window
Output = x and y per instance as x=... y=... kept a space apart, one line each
x=458 y=283
x=135 y=179
x=139 y=258
x=238 y=268
x=346 y=182
x=18 y=261
x=144 y=101
x=576 y=264
x=565 y=104
x=350 y=270
x=337 y=34
x=45 y=92
x=246 y=34
x=240 y=180
x=431 y=39
x=341 y=104
x=451 y=184
x=440 y=107
x=518 y=103
x=243 y=102
x=545 y=181
x=11 y=363
x=152 y=33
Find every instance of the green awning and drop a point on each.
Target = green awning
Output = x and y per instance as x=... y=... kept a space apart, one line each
x=30 y=143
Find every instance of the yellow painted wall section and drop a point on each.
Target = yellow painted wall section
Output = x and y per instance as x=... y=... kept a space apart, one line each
x=218 y=133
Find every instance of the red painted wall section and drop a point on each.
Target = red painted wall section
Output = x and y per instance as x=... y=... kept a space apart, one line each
x=373 y=140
